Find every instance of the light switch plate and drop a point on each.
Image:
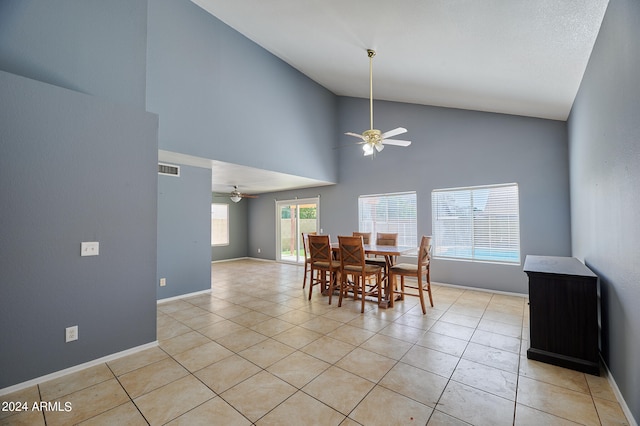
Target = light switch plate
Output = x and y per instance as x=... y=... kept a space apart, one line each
x=90 y=248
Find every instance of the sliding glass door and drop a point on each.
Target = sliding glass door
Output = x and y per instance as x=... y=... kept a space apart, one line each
x=293 y=217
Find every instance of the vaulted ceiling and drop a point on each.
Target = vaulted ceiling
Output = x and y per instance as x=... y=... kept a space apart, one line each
x=522 y=57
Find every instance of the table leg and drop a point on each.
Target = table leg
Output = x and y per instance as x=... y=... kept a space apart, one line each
x=386 y=299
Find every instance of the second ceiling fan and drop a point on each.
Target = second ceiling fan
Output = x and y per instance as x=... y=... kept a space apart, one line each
x=373 y=139
x=237 y=196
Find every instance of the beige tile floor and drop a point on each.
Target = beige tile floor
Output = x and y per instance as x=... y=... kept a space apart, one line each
x=256 y=351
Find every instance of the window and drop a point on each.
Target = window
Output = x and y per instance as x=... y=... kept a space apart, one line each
x=389 y=213
x=219 y=224
x=477 y=223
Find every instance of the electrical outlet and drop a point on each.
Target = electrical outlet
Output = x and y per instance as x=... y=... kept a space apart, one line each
x=163 y=282
x=258 y=250
x=71 y=334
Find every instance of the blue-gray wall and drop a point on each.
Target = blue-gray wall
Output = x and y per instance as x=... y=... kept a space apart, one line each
x=73 y=168
x=604 y=141
x=222 y=97
x=184 y=231
x=238 y=230
x=450 y=148
x=90 y=46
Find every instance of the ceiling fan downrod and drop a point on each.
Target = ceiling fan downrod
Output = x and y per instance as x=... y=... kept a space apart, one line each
x=371 y=53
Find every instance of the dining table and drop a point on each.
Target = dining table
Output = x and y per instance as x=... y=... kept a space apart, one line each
x=389 y=253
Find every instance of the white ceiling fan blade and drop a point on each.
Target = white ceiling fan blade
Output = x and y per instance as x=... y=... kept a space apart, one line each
x=394 y=132
x=357 y=135
x=396 y=142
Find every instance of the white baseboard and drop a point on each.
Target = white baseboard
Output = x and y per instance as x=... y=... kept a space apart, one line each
x=182 y=296
x=464 y=287
x=262 y=260
x=230 y=260
x=77 y=368
x=618 y=394
x=242 y=258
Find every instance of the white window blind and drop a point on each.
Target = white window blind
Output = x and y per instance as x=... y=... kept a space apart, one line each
x=477 y=223
x=219 y=224
x=389 y=213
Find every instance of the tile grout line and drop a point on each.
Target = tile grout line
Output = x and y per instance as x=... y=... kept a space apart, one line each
x=515 y=400
x=128 y=395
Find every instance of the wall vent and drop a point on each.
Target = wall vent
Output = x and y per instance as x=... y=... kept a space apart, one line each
x=168 y=170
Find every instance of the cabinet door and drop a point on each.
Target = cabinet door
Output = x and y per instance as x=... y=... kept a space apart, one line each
x=563 y=315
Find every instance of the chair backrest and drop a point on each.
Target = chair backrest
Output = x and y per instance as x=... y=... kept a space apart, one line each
x=383 y=239
x=319 y=248
x=305 y=244
x=366 y=236
x=351 y=251
x=424 y=252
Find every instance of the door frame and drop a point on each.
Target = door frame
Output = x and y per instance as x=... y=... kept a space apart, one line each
x=297 y=202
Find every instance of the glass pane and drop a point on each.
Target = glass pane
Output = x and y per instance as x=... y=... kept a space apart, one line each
x=295 y=218
x=393 y=213
x=479 y=223
x=288 y=226
x=219 y=224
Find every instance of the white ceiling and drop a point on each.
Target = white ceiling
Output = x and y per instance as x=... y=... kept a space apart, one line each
x=249 y=180
x=523 y=57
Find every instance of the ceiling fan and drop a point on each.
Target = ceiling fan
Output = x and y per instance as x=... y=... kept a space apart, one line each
x=236 y=196
x=374 y=140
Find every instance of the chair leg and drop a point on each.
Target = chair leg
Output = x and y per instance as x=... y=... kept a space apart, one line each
x=311 y=279
x=361 y=282
x=390 y=292
x=333 y=276
x=421 y=293
x=429 y=286
x=343 y=286
x=306 y=271
x=356 y=286
x=319 y=279
x=323 y=283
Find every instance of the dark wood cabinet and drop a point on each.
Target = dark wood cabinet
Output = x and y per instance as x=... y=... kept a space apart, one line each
x=563 y=308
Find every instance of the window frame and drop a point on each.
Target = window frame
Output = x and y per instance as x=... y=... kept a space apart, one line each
x=228 y=237
x=493 y=237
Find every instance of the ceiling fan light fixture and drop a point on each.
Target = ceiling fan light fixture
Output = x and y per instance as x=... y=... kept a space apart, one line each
x=235 y=198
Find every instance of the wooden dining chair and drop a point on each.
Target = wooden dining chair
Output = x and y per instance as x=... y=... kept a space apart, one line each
x=366 y=236
x=352 y=264
x=384 y=239
x=322 y=264
x=366 y=239
x=423 y=268
x=307 y=256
